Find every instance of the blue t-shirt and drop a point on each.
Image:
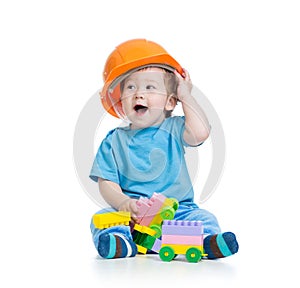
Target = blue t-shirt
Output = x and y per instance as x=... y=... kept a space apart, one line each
x=146 y=160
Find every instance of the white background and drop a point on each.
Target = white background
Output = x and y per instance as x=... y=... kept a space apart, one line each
x=243 y=55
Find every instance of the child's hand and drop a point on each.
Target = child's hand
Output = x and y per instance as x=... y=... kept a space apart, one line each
x=129 y=205
x=184 y=85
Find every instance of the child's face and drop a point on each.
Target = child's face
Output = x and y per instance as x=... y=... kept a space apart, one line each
x=144 y=98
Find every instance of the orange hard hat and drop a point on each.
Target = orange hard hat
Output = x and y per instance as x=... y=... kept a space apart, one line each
x=130 y=56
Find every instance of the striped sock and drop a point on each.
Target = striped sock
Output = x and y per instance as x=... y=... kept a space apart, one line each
x=115 y=245
x=220 y=245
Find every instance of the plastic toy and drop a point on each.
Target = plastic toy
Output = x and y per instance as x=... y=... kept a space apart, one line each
x=110 y=219
x=153 y=211
x=182 y=237
x=145 y=240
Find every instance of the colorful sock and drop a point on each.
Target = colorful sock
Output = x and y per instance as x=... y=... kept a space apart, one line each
x=116 y=246
x=220 y=245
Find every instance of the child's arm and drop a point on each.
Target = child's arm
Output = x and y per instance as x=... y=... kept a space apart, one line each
x=114 y=196
x=196 y=123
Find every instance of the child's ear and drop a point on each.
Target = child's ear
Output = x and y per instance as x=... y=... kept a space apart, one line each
x=171 y=102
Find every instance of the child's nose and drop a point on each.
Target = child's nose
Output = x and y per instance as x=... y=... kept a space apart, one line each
x=140 y=94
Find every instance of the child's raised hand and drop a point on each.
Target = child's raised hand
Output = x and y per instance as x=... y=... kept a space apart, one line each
x=184 y=85
x=129 y=205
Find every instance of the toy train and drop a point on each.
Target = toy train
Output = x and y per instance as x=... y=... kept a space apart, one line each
x=182 y=237
x=155 y=230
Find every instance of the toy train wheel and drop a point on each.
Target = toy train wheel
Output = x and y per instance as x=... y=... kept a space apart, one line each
x=167 y=213
x=193 y=255
x=167 y=254
x=157 y=229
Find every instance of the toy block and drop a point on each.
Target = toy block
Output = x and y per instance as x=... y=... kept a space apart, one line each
x=159 y=197
x=148 y=242
x=181 y=249
x=172 y=202
x=193 y=254
x=156 y=246
x=180 y=227
x=144 y=229
x=156 y=219
x=145 y=241
x=106 y=220
x=166 y=212
x=182 y=237
x=138 y=237
x=161 y=209
x=143 y=205
x=182 y=240
x=141 y=249
x=156 y=209
x=157 y=229
x=145 y=238
x=155 y=203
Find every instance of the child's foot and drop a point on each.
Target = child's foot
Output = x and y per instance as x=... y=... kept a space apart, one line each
x=116 y=246
x=220 y=245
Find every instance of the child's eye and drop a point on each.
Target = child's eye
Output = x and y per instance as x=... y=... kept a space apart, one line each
x=150 y=87
x=130 y=87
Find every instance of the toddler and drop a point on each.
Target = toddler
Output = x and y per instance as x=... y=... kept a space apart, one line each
x=147 y=155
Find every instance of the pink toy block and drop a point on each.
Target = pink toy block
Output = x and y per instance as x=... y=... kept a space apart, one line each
x=159 y=197
x=182 y=240
x=178 y=227
x=151 y=213
x=143 y=206
x=154 y=204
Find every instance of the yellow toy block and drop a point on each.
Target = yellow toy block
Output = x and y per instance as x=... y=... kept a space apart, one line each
x=157 y=219
x=170 y=202
x=181 y=249
x=141 y=249
x=110 y=219
x=144 y=229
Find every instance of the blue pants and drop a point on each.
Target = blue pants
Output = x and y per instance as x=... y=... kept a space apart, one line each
x=184 y=212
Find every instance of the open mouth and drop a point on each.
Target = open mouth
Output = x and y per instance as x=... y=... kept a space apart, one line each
x=140 y=109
